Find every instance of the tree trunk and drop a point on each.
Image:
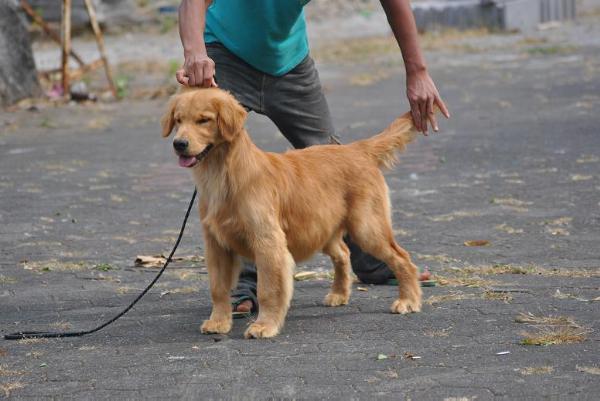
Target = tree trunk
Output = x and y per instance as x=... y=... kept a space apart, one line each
x=18 y=76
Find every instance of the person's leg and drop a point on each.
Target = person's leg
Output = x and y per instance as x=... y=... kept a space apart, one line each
x=296 y=104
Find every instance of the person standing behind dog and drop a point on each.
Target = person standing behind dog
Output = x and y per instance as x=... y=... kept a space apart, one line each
x=258 y=50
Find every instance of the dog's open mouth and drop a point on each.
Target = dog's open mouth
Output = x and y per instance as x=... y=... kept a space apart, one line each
x=191 y=161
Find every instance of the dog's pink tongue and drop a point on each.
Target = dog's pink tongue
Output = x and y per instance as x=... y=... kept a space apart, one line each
x=187 y=161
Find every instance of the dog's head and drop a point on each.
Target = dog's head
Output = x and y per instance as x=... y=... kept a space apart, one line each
x=202 y=119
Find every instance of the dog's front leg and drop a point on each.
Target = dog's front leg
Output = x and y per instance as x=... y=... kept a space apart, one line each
x=275 y=268
x=223 y=271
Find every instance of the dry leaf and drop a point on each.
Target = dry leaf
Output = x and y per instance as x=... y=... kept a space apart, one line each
x=477 y=242
x=150 y=261
x=409 y=355
x=159 y=260
x=308 y=275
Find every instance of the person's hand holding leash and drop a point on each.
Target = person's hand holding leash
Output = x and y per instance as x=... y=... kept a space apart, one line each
x=423 y=96
x=197 y=70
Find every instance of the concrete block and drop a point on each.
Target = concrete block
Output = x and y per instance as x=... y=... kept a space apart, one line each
x=522 y=15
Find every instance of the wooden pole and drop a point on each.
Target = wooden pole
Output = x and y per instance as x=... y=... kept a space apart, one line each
x=100 y=42
x=49 y=31
x=66 y=45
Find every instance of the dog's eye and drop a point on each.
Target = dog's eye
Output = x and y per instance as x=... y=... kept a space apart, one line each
x=178 y=121
x=202 y=121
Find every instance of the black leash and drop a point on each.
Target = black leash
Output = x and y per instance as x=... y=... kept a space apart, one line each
x=49 y=334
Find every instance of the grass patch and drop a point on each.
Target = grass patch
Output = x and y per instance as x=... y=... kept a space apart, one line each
x=5 y=372
x=530 y=318
x=7 y=280
x=61 y=325
x=550 y=50
x=441 y=258
x=536 y=370
x=499 y=269
x=453 y=296
x=454 y=215
x=54 y=265
x=464 y=281
x=438 y=332
x=592 y=370
x=30 y=341
x=9 y=387
x=104 y=267
x=187 y=275
x=551 y=330
x=167 y=24
x=180 y=290
x=366 y=49
x=554 y=335
x=173 y=66
x=127 y=289
x=497 y=296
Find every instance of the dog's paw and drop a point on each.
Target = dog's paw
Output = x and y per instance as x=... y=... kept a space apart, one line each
x=406 y=306
x=334 y=299
x=216 y=327
x=261 y=330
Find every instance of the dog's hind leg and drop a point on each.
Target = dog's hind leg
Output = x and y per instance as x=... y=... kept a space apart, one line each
x=370 y=227
x=337 y=250
x=223 y=272
x=275 y=286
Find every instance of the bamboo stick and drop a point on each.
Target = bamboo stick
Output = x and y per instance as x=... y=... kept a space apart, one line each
x=66 y=45
x=49 y=31
x=100 y=42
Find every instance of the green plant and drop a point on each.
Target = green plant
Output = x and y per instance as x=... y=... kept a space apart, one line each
x=103 y=267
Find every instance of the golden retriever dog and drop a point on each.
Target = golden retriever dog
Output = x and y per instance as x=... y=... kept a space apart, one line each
x=279 y=209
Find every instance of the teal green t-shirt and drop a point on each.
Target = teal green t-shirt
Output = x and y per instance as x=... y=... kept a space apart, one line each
x=270 y=35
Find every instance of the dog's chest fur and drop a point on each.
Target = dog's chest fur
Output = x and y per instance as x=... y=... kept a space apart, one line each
x=219 y=218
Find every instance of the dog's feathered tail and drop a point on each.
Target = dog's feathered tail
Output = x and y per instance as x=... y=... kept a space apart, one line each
x=383 y=148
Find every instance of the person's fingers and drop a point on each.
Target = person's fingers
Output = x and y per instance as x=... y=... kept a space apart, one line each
x=431 y=115
x=199 y=74
x=442 y=106
x=181 y=78
x=208 y=76
x=191 y=77
x=416 y=115
x=423 y=110
x=214 y=83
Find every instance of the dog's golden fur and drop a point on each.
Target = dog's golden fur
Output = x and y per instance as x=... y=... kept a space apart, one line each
x=278 y=209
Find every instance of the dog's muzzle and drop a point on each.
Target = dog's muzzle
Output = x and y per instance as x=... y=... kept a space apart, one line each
x=191 y=161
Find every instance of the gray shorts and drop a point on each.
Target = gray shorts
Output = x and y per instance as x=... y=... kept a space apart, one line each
x=294 y=101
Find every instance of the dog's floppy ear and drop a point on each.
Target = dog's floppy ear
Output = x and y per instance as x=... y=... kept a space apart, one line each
x=168 y=119
x=230 y=116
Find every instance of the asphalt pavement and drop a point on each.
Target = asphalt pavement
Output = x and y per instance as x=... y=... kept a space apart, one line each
x=84 y=189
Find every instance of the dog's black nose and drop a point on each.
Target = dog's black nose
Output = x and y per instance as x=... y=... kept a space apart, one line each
x=180 y=144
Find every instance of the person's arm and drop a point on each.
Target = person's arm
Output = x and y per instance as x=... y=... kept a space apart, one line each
x=198 y=69
x=420 y=89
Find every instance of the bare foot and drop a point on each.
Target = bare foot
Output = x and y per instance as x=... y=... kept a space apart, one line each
x=244 y=306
